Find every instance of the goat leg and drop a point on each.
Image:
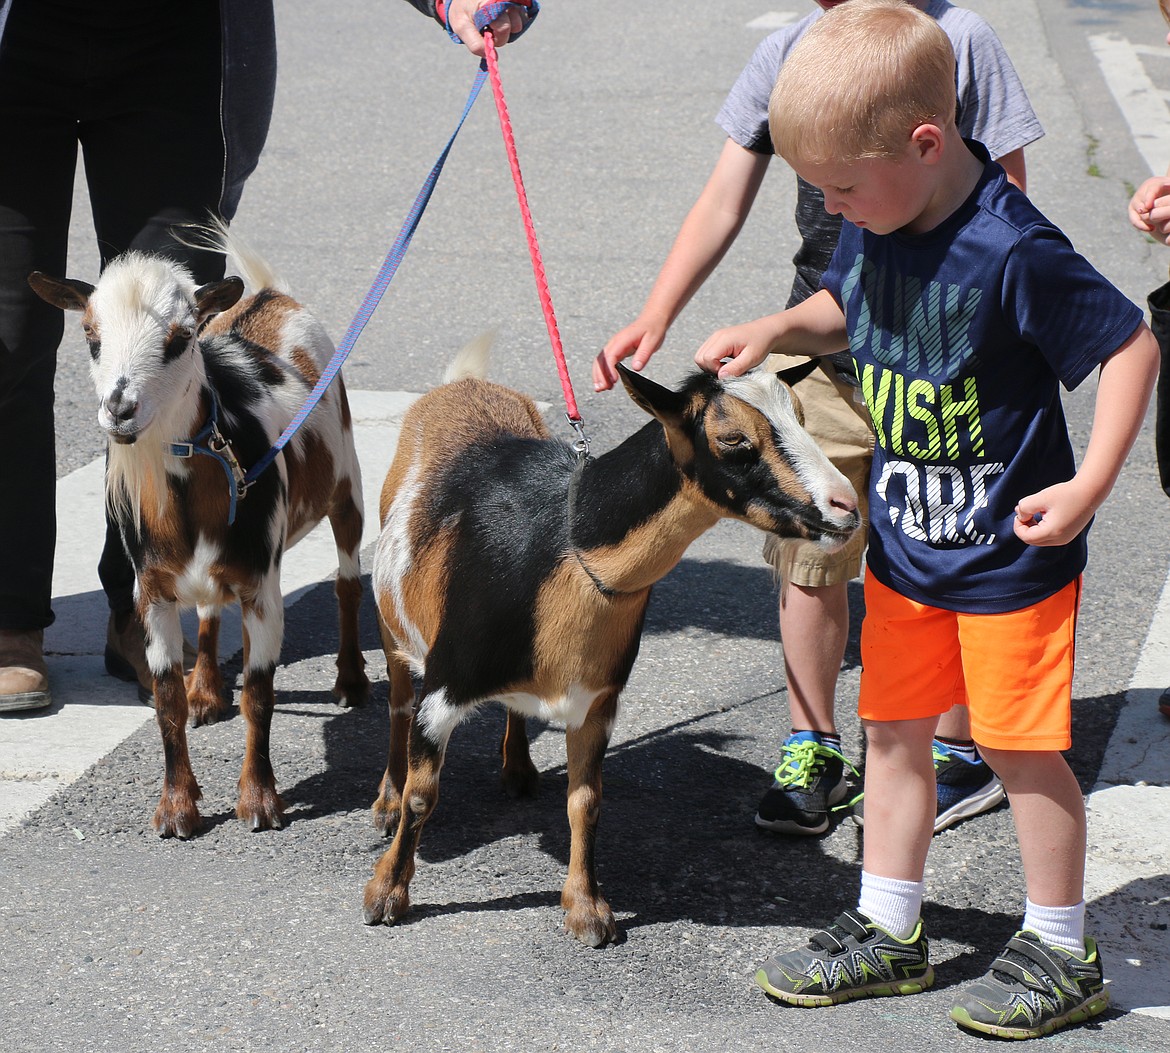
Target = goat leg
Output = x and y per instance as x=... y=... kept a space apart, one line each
x=519 y=776
x=388 y=804
x=259 y=804
x=588 y=916
x=345 y=520
x=205 y=695
x=387 y=894
x=177 y=814
x=352 y=687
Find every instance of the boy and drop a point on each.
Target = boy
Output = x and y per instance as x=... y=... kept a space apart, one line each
x=814 y=601
x=964 y=309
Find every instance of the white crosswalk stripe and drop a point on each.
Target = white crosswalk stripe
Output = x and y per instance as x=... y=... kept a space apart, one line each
x=1143 y=105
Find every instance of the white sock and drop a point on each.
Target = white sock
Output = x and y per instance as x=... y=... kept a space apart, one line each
x=893 y=904
x=963 y=748
x=1058 y=926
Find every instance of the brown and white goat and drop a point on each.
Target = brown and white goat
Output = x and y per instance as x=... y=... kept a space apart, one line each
x=505 y=570
x=166 y=357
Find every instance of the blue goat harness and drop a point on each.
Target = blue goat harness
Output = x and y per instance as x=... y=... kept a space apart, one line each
x=211 y=443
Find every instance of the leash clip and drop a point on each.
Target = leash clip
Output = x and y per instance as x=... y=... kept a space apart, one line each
x=581 y=446
x=223 y=449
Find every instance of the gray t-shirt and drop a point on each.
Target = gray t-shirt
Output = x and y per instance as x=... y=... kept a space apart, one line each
x=992 y=108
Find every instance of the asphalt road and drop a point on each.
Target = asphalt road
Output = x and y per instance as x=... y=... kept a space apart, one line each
x=113 y=939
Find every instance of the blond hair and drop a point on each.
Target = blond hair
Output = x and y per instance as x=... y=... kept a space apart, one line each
x=862 y=78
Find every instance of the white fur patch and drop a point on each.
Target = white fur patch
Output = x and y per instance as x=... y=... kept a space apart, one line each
x=164 y=637
x=196 y=586
x=264 y=623
x=394 y=557
x=437 y=718
x=349 y=564
x=571 y=709
x=819 y=475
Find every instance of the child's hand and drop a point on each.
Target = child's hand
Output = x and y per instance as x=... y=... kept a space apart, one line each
x=640 y=339
x=744 y=345
x=1149 y=208
x=1054 y=516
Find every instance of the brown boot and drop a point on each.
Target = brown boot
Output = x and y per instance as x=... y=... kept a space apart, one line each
x=126 y=653
x=24 y=681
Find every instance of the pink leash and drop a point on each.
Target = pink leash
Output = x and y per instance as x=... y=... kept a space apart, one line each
x=550 y=319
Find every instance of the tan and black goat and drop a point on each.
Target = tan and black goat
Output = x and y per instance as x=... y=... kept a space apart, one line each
x=507 y=571
x=176 y=369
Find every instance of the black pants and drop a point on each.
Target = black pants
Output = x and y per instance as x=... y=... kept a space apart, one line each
x=135 y=84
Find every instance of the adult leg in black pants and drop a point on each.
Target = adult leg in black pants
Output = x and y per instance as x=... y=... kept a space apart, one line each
x=137 y=84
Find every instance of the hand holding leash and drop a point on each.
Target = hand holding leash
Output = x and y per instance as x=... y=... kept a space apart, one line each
x=468 y=20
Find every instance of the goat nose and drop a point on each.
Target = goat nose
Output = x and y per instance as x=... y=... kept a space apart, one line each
x=120 y=408
x=844 y=502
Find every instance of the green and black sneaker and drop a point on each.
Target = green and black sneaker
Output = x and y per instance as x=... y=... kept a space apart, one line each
x=1033 y=989
x=808 y=782
x=852 y=958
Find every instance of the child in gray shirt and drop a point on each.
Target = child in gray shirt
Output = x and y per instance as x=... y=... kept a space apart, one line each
x=814 y=611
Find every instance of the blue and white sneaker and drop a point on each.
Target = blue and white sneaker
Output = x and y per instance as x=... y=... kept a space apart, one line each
x=964 y=789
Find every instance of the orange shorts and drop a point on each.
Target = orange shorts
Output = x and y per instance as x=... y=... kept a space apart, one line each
x=1013 y=671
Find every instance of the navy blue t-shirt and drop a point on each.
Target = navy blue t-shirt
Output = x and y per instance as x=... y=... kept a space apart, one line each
x=962 y=337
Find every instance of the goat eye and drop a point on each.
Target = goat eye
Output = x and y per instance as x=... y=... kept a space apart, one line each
x=734 y=440
x=184 y=332
x=88 y=330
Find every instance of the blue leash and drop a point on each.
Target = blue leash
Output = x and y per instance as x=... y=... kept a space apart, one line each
x=483 y=18
x=370 y=303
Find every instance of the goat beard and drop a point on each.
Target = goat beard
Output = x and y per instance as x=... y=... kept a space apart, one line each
x=136 y=476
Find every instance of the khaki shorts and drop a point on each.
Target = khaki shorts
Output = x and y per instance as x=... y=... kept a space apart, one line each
x=836 y=416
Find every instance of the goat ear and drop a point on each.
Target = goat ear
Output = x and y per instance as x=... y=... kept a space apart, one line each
x=67 y=293
x=797 y=405
x=218 y=297
x=668 y=406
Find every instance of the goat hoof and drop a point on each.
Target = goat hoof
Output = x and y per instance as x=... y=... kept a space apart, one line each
x=177 y=814
x=209 y=714
x=261 y=810
x=523 y=782
x=264 y=822
x=383 y=908
x=182 y=826
x=374 y=916
x=594 y=926
x=351 y=695
x=205 y=701
x=386 y=823
x=386 y=813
